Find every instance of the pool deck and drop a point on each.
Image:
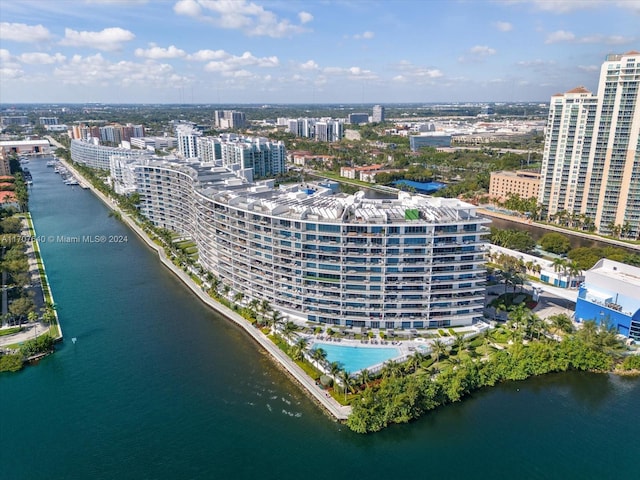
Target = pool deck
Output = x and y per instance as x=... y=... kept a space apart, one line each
x=405 y=347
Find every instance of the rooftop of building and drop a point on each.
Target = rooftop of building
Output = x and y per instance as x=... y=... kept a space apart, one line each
x=7 y=196
x=317 y=202
x=7 y=143
x=619 y=272
x=518 y=174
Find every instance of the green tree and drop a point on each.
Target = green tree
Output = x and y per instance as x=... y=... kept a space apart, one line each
x=554 y=242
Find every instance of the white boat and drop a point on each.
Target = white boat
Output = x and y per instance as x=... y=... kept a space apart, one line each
x=51 y=163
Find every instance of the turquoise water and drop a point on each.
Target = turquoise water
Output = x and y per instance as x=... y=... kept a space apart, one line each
x=159 y=387
x=354 y=358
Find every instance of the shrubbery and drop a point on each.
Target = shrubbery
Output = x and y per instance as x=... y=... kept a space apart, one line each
x=401 y=399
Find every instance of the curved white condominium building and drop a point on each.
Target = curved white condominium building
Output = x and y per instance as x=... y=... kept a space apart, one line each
x=407 y=262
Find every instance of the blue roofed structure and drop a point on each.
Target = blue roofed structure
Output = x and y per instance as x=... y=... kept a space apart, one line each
x=611 y=293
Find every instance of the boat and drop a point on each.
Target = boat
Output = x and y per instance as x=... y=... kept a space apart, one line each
x=51 y=163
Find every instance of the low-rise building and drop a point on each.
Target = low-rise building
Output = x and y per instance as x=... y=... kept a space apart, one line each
x=610 y=295
x=430 y=139
x=23 y=147
x=524 y=183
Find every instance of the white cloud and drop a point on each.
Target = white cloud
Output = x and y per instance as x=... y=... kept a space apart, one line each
x=108 y=39
x=20 y=32
x=352 y=73
x=206 y=55
x=309 y=65
x=9 y=73
x=482 y=51
x=5 y=55
x=415 y=73
x=190 y=8
x=232 y=65
x=364 y=36
x=95 y=70
x=305 y=17
x=567 y=6
x=10 y=69
x=566 y=36
x=503 y=26
x=589 y=68
x=560 y=36
x=156 y=52
x=39 y=58
x=248 y=17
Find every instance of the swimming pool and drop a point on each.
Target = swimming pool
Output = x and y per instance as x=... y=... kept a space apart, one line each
x=355 y=358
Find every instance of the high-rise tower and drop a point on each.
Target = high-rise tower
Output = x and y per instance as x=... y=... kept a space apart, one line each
x=591 y=162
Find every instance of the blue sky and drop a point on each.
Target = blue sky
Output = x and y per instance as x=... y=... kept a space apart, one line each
x=315 y=51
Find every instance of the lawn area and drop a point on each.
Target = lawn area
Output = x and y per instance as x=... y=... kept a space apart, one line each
x=511 y=299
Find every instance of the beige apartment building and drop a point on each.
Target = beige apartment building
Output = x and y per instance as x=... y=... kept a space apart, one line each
x=524 y=183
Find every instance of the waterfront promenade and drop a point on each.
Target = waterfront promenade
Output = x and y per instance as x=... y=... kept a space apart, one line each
x=338 y=411
x=39 y=282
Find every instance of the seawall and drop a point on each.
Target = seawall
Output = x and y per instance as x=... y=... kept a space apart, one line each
x=553 y=228
x=336 y=410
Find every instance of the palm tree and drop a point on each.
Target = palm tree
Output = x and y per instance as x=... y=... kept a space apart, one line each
x=253 y=307
x=365 y=377
x=289 y=329
x=274 y=320
x=319 y=356
x=439 y=348
x=265 y=307
x=415 y=360
x=520 y=317
x=32 y=317
x=347 y=382
x=559 y=264
x=334 y=370
x=297 y=353
x=561 y=323
x=458 y=343
x=391 y=369
x=238 y=297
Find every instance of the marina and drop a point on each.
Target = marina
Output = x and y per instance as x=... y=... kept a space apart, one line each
x=68 y=177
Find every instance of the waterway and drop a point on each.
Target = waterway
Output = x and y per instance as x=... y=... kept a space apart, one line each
x=537 y=233
x=159 y=387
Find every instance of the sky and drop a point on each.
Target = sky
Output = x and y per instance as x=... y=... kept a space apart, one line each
x=313 y=51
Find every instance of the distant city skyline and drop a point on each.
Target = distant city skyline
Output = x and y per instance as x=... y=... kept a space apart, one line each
x=240 y=51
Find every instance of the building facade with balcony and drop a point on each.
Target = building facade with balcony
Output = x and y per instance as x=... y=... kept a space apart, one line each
x=409 y=262
x=99 y=156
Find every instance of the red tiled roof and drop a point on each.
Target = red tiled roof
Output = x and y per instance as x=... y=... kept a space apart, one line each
x=6 y=196
x=579 y=89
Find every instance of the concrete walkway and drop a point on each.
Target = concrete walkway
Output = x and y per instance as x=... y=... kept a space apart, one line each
x=340 y=412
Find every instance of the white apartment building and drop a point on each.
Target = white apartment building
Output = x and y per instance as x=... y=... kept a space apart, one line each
x=378 y=114
x=591 y=162
x=99 y=156
x=408 y=262
x=227 y=119
x=187 y=141
x=327 y=130
x=264 y=157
